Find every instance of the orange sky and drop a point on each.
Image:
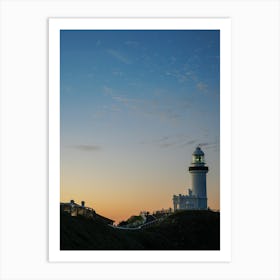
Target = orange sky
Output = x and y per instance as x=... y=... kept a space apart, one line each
x=118 y=192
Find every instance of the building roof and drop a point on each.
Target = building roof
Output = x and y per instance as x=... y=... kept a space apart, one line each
x=76 y=205
x=70 y=204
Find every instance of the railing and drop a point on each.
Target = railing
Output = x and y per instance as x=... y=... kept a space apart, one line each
x=146 y=225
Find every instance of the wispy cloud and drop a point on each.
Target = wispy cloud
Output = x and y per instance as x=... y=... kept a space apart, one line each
x=191 y=142
x=179 y=141
x=90 y=75
x=119 y=56
x=201 y=86
x=118 y=73
x=164 y=138
x=107 y=90
x=181 y=75
x=171 y=141
x=152 y=107
x=132 y=43
x=209 y=145
x=87 y=148
x=195 y=142
x=159 y=105
x=166 y=144
x=185 y=73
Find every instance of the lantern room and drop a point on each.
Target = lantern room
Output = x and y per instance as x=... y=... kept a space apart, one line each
x=198 y=156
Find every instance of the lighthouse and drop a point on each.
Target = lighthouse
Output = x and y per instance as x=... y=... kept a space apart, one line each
x=198 y=172
x=196 y=199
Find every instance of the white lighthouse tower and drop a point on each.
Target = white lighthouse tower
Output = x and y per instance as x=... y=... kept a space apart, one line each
x=196 y=199
x=198 y=172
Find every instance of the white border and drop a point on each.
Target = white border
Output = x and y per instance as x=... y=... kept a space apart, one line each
x=55 y=25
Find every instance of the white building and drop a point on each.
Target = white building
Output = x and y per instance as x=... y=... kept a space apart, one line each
x=197 y=195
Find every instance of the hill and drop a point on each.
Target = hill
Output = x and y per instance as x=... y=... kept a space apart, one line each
x=184 y=230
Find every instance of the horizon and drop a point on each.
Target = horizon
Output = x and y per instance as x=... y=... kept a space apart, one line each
x=136 y=214
x=134 y=105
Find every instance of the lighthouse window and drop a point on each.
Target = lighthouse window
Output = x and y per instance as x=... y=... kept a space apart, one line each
x=198 y=159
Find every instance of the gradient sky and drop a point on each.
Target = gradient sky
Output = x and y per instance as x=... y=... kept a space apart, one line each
x=134 y=106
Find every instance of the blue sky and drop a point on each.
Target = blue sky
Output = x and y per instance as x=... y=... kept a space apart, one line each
x=134 y=105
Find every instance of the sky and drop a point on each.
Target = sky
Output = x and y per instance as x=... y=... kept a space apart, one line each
x=134 y=104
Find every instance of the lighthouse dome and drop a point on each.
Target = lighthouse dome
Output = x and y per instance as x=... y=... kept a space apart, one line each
x=198 y=152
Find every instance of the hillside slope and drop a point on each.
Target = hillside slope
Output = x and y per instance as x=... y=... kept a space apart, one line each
x=185 y=230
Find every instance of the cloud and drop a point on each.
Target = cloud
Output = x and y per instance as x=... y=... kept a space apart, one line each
x=164 y=138
x=107 y=90
x=132 y=43
x=195 y=142
x=186 y=72
x=160 y=105
x=90 y=75
x=124 y=100
x=163 y=142
x=187 y=143
x=179 y=141
x=168 y=114
x=118 y=73
x=208 y=145
x=191 y=142
x=170 y=141
x=167 y=144
x=118 y=56
x=174 y=141
x=87 y=148
x=153 y=107
x=182 y=75
x=201 y=86
x=189 y=72
x=204 y=144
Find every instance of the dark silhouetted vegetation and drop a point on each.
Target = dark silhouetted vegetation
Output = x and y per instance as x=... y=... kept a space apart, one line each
x=184 y=230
